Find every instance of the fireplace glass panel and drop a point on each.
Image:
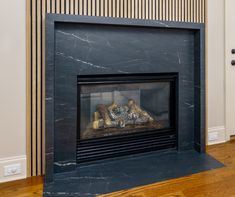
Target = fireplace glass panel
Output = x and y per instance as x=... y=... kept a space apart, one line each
x=123 y=108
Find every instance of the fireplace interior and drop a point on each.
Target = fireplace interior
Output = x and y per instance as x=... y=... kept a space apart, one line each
x=125 y=103
x=125 y=114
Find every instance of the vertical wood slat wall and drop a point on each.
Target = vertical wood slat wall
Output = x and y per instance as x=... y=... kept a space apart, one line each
x=169 y=10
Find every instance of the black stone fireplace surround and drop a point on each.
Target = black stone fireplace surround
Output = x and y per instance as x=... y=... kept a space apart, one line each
x=79 y=47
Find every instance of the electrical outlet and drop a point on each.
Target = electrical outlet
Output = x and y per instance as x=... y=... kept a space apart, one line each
x=213 y=136
x=11 y=170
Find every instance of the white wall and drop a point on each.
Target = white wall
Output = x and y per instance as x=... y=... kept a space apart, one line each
x=216 y=62
x=12 y=85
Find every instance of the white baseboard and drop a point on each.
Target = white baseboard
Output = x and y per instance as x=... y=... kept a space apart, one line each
x=219 y=134
x=21 y=160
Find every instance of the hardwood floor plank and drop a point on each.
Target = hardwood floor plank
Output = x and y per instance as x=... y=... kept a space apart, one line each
x=214 y=183
x=201 y=181
x=30 y=187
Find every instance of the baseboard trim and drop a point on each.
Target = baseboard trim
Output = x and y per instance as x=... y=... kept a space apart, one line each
x=221 y=135
x=10 y=161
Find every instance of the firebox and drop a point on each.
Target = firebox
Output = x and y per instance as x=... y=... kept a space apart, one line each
x=125 y=114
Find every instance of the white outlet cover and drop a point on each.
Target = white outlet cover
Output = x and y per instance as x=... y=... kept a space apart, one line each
x=213 y=136
x=11 y=170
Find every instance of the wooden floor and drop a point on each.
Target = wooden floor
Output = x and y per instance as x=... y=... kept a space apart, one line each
x=213 y=183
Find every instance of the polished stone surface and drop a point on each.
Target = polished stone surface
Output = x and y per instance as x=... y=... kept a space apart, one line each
x=128 y=172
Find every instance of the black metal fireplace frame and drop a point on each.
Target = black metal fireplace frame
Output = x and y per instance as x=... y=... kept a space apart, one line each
x=199 y=88
x=94 y=149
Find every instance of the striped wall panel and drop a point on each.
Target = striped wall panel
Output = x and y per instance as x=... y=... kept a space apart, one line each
x=169 y=10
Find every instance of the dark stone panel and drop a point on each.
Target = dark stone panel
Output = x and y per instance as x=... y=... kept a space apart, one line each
x=49 y=101
x=128 y=172
x=199 y=87
x=82 y=49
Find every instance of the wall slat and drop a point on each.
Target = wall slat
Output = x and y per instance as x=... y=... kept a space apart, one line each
x=183 y=11
x=167 y=10
x=89 y=7
x=43 y=86
x=101 y=7
x=80 y=7
x=93 y=3
x=105 y=8
x=48 y=3
x=57 y=7
x=177 y=10
x=153 y=10
x=203 y=11
x=71 y=6
x=150 y=9
x=147 y=9
x=164 y=10
x=171 y=10
x=53 y=5
x=160 y=10
x=128 y=9
x=192 y=11
x=76 y=8
x=67 y=7
x=62 y=6
x=39 y=88
x=34 y=92
x=29 y=87
x=139 y=12
x=121 y=8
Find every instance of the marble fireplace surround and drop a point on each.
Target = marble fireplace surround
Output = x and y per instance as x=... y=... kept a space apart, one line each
x=82 y=45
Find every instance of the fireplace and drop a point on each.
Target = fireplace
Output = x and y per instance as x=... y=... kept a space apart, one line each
x=119 y=87
x=125 y=103
x=125 y=114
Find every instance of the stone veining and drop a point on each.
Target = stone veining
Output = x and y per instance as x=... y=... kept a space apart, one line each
x=76 y=36
x=87 y=63
x=161 y=23
x=179 y=59
x=82 y=61
x=64 y=163
x=189 y=105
